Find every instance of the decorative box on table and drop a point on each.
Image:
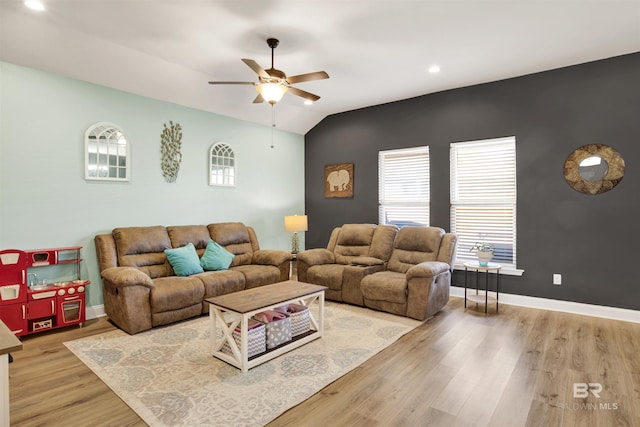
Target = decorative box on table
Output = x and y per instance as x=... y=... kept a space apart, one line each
x=278 y=326
x=299 y=315
x=256 y=340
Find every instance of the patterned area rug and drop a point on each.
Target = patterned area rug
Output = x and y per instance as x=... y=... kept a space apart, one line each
x=169 y=378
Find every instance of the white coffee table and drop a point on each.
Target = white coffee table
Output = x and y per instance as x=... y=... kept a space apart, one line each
x=229 y=311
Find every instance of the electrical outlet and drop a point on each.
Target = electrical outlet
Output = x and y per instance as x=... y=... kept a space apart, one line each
x=557 y=279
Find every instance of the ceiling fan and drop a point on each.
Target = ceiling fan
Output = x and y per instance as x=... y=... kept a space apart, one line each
x=273 y=84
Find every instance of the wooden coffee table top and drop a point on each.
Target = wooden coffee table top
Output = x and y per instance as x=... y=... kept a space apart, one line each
x=264 y=296
x=8 y=341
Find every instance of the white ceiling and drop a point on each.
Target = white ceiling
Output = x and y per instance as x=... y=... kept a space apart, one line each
x=375 y=51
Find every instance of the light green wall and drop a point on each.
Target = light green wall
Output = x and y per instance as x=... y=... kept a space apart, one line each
x=46 y=202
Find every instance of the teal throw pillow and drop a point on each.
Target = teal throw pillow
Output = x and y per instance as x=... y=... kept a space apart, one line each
x=216 y=257
x=184 y=260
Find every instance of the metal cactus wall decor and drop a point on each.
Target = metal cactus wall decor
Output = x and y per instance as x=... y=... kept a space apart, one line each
x=171 y=140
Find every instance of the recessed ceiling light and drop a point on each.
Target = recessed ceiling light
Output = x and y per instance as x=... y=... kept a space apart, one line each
x=34 y=4
x=308 y=102
x=434 y=69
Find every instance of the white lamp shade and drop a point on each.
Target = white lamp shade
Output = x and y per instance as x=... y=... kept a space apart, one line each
x=271 y=92
x=295 y=223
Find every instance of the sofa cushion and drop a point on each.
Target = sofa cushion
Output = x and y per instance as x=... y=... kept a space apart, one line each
x=216 y=257
x=143 y=248
x=382 y=242
x=386 y=286
x=180 y=235
x=329 y=275
x=258 y=275
x=413 y=245
x=141 y=240
x=235 y=238
x=354 y=240
x=221 y=282
x=184 y=260
x=174 y=293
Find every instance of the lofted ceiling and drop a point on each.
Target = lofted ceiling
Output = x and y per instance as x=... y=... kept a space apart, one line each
x=375 y=51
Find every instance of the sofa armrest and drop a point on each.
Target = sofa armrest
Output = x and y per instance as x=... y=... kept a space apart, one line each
x=126 y=293
x=126 y=276
x=317 y=257
x=428 y=285
x=311 y=257
x=427 y=269
x=271 y=257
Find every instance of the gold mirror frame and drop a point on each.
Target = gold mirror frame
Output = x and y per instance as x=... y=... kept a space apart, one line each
x=613 y=176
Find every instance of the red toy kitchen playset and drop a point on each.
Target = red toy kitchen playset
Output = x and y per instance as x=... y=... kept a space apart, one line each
x=29 y=305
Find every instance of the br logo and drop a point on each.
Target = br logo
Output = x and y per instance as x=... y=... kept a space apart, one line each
x=581 y=390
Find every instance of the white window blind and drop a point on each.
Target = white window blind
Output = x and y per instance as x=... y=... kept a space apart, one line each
x=403 y=186
x=483 y=197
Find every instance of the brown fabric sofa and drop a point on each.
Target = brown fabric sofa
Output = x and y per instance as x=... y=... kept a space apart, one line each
x=141 y=290
x=405 y=272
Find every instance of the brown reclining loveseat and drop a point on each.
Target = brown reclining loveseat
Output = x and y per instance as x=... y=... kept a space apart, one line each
x=405 y=272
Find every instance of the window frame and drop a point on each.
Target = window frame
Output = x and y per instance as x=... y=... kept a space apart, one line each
x=406 y=201
x=495 y=208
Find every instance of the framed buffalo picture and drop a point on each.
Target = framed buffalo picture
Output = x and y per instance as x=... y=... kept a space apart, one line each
x=338 y=180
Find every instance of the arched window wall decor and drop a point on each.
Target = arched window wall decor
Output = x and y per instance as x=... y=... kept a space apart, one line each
x=107 y=153
x=222 y=165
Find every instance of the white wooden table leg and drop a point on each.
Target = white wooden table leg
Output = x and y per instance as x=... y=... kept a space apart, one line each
x=321 y=328
x=214 y=332
x=4 y=390
x=244 y=347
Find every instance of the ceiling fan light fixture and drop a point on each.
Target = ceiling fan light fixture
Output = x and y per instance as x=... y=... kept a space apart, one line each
x=34 y=5
x=271 y=92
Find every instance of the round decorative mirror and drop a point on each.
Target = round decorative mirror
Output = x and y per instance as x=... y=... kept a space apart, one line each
x=593 y=169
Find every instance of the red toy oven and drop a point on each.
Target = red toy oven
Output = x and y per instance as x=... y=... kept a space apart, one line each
x=71 y=301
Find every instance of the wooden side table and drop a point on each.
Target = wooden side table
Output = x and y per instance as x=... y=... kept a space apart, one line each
x=477 y=297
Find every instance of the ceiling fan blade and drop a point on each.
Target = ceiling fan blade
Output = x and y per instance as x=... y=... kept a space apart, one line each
x=318 y=75
x=232 y=83
x=257 y=68
x=304 y=94
x=258 y=99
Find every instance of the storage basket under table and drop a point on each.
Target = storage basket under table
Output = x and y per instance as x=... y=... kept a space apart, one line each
x=278 y=331
x=256 y=340
x=300 y=318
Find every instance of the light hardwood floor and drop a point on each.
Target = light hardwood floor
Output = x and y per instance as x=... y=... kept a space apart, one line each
x=461 y=368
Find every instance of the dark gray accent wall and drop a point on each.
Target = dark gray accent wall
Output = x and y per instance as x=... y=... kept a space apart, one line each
x=593 y=241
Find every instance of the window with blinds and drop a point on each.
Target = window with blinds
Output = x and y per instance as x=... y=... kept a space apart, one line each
x=483 y=198
x=403 y=186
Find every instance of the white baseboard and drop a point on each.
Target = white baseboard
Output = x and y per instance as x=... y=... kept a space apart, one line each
x=564 y=306
x=95 y=311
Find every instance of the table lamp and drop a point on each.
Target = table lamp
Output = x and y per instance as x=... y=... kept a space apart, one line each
x=295 y=223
